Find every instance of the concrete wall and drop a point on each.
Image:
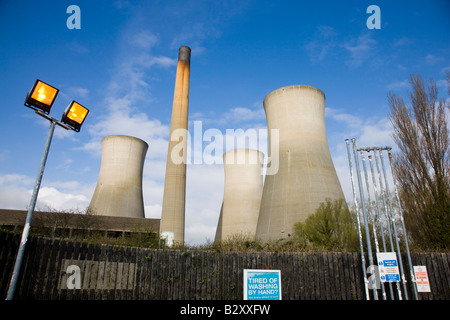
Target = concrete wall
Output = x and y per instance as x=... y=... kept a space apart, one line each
x=306 y=174
x=242 y=194
x=119 y=186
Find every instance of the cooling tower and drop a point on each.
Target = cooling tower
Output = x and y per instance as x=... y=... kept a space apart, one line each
x=119 y=187
x=173 y=207
x=242 y=194
x=306 y=175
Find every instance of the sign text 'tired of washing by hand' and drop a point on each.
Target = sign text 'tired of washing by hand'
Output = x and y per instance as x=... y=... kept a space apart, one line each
x=262 y=284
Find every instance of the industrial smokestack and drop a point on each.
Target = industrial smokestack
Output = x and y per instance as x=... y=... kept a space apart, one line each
x=242 y=194
x=306 y=175
x=119 y=187
x=173 y=207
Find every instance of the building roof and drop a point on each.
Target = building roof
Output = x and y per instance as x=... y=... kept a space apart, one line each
x=79 y=221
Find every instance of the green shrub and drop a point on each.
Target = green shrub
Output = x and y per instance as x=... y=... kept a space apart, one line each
x=332 y=226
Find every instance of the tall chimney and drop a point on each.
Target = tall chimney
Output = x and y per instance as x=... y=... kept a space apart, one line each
x=173 y=207
x=306 y=175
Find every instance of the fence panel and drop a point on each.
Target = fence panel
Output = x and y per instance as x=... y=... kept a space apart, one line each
x=129 y=273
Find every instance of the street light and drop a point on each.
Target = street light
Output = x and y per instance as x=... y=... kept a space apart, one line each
x=41 y=96
x=74 y=115
x=40 y=99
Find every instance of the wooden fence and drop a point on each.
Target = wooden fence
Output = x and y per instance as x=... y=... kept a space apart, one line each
x=57 y=269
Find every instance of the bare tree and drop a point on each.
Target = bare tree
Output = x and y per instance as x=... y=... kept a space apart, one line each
x=422 y=164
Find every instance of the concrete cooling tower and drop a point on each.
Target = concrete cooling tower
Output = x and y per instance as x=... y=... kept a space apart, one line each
x=306 y=175
x=242 y=194
x=173 y=207
x=119 y=187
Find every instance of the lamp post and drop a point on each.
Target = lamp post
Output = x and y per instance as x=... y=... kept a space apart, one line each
x=40 y=99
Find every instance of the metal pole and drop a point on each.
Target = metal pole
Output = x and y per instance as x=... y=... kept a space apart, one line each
x=26 y=228
x=363 y=260
x=371 y=213
x=363 y=207
x=411 y=271
x=375 y=186
x=386 y=212
x=382 y=192
x=375 y=239
x=400 y=264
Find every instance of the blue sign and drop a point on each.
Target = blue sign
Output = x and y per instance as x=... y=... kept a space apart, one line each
x=392 y=277
x=388 y=266
x=390 y=263
x=262 y=284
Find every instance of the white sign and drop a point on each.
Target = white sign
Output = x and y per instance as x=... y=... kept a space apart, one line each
x=262 y=284
x=388 y=267
x=422 y=281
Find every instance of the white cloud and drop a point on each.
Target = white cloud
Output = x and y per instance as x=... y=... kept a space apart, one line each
x=204 y=193
x=404 y=41
x=14 y=197
x=153 y=187
x=349 y=120
x=237 y=117
x=52 y=198
x=442 y=85
x=153 y=211
x=125 y=122
x=195 y=34
x=323 y=44
x=144 y=39
x=164 y=62
x=398 y=85
x=360 y=49
x=16 y=191
x=78 y=48
x=240 y=114
x=78 y=92
x=15 y=179
x=431 y=59
x=445 y=70
x=376 y=132
x=368 y=132
x=328 y=43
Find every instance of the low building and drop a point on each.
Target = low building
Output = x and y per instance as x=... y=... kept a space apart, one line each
x=61 y=224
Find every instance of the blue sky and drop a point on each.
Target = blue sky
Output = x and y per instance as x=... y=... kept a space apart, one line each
x=121 y=65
